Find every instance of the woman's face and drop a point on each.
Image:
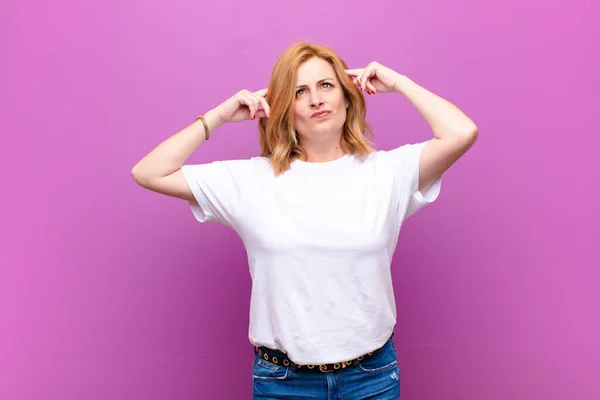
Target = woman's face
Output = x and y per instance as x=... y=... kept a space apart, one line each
x=319 y=91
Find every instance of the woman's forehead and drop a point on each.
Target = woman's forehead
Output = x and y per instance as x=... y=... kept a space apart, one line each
x=314 y=70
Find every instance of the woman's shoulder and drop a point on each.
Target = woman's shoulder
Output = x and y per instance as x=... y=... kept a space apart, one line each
x=399 y=151
x=245 y=162
x=367 y=158
x=252 y=165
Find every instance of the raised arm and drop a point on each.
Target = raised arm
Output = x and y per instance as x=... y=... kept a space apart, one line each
x=160 y=170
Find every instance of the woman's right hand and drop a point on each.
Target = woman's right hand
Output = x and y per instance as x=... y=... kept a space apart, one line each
x=244 y=105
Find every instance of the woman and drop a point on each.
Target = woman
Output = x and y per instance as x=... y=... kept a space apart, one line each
x=319 y=214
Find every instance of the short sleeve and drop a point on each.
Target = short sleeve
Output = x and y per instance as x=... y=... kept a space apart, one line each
x=218 y=188
x=405 y=161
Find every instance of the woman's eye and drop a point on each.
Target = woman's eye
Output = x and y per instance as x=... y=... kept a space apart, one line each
x=324 y=84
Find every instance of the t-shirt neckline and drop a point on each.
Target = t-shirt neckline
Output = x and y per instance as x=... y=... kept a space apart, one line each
x=324 y=164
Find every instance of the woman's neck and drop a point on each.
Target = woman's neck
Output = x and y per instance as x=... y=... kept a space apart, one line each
x=321 y=152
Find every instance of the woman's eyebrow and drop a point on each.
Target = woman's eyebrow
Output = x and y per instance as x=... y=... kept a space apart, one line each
x=322 y=80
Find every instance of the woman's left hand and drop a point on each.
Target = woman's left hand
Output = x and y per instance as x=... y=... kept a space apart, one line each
x=375 y=78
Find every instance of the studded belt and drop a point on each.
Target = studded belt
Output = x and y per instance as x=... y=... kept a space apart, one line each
x=270 y=356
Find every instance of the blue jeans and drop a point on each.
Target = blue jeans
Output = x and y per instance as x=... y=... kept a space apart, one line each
x=376 y=378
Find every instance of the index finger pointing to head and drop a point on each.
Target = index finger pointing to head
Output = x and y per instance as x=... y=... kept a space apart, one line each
x=265 y=106
x=354 y=72
x=262 y=92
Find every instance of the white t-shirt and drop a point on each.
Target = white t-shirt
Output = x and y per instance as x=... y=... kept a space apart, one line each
x=320 y=239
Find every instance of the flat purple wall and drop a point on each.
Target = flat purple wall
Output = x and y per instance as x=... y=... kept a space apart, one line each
x=108 y=291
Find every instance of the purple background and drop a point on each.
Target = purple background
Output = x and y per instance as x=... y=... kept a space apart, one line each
x=109 y=291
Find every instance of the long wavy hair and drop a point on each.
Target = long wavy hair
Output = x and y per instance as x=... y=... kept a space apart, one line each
x=278 y=138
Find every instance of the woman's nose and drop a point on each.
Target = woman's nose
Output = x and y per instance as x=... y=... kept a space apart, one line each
x=315 y=101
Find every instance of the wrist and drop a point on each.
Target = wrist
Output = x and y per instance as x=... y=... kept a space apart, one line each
x=401 y=82
x=213 y=120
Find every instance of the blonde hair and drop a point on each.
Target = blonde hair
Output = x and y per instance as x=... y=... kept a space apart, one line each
x=278 y=139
